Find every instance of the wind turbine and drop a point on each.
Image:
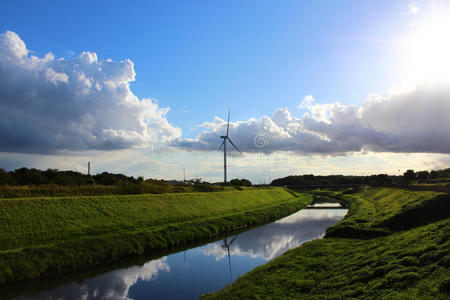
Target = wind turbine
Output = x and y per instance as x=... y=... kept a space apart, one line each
x=224 y=145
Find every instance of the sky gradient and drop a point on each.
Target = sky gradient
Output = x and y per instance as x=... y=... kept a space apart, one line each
x=142 y=88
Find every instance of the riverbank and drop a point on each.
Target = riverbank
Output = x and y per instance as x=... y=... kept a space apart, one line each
x=399 y=248
x=42 y=236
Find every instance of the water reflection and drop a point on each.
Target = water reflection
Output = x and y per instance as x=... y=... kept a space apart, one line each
x=326 y=204
x=189 y=274
x=272 y=240
x=226 y=245
x=113 y=285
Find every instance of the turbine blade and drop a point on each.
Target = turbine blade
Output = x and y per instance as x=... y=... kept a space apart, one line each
x=222 y=145
x=231 y=142
x=228 y=124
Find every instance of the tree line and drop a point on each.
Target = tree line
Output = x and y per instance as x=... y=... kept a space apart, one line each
x=26 y=182
x=25 y=176
x=424 y=176
x=407 y=178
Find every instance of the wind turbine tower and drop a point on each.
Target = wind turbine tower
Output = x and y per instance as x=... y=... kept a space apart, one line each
x=224 y=145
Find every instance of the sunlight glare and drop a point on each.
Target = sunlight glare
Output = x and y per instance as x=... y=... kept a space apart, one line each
x=430 y=53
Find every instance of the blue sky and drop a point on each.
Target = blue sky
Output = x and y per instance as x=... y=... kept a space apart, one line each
x=200 y=57
x=203 y=56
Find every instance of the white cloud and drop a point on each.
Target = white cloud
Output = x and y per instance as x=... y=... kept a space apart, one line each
x=282 y=117
x=307 y=102
x=55 y=77
x=413 y=8
x=50 y=105
x=414 y=121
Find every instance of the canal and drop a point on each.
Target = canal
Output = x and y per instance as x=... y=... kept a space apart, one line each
x=207 y=268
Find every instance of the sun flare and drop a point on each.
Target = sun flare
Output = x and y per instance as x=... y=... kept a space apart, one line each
x=429 y=50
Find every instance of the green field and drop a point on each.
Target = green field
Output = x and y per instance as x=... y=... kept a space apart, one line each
x=58 y=234
x=400 y=249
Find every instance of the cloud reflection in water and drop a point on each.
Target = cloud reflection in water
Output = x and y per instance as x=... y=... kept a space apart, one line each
x=272 y=240
x=113 y=285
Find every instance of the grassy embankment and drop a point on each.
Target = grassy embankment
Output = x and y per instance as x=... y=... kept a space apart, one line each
x=400 y=249
x=147 y=187
x=52 y=235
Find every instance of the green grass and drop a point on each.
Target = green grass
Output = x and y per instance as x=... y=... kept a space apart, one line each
x=52 y=235
x=412 y=262
x=381 y=211
x=153 y=187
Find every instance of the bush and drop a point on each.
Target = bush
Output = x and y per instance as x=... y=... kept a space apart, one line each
x=240 y=182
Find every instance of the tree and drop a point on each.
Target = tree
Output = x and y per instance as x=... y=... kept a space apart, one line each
x=26 y=176
x=62 y=178
x=434 y=174
x=6 y=177
x=380 y=180
x=409 y=176
x=423 y=175
x=245 y=182
x=240 y=182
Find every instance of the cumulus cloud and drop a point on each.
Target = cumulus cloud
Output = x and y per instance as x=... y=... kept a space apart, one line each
x=411 y=122
x=49 y=105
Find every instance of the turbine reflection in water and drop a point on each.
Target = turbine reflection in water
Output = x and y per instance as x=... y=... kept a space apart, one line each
x=227 y=245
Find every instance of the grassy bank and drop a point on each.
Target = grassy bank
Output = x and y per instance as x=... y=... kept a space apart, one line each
x=382 y=211
x=400 y=249
x=51 y=235
x=147 y=187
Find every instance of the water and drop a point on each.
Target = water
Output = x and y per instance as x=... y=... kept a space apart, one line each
x=325 y=204
x=191 y=273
